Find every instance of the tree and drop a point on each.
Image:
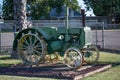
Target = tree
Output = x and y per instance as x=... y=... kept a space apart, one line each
x=19 y=18
x=73 y=4
x=105 y=8
x=20 y=14
x=41 y=8
x=8 y=9
x=38 y=9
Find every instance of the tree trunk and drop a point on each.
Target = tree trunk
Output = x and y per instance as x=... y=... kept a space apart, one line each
x=19 y=14
x=19 y=18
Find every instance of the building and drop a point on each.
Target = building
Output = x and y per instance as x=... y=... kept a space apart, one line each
x=72 y=13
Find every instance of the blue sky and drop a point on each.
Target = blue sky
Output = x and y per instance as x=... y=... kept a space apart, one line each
x=1 y=1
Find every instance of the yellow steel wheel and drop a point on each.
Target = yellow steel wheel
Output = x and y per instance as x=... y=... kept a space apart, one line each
x=91 y=54
x=73 y=58
x=30 y=48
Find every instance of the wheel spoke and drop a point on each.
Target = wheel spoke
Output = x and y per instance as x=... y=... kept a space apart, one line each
x=39 y=53
x=26 y=42
x=30 y=38
x=23 y=46
x=35 y=40
x=36 y=58
x=38 y=45
x=71 y=63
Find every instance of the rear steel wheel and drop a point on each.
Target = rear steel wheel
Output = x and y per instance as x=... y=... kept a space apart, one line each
x=31 y=48
x=91 y=54
x=73 y=58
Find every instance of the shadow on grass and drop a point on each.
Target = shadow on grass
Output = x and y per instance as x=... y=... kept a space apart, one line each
x=5 y=58
x=7 y=61
x=112 y=63
x=110 y=50
x=5 y=65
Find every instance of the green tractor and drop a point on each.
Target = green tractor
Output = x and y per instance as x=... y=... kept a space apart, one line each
x=37 y=45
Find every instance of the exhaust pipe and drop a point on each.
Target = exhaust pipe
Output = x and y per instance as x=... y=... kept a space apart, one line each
x=83 y=17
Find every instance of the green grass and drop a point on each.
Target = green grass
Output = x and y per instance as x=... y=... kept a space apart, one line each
x=111 y=74
x=6 y=77
x=5 y=61
x=109 y=58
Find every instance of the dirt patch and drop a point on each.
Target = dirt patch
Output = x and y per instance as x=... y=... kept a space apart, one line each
x=58 y=71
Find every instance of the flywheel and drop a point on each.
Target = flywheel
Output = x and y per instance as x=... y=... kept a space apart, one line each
x=31 y=48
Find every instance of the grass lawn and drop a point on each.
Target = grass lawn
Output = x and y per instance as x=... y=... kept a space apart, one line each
x=111 y=74
x=6 y=77
x=5 y=60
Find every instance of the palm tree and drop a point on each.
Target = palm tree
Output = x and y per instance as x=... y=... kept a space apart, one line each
x=20 y=14
x=19 y=18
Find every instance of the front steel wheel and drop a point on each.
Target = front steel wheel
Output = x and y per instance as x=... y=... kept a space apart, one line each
x=73 y=58
x=31 y=48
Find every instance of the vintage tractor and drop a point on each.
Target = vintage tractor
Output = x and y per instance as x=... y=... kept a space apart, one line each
x=38 y=45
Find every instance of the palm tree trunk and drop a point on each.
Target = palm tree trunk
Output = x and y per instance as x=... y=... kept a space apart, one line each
x=19 y=14
x=19 y=18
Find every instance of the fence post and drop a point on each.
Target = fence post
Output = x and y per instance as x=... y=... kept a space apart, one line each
x=96 y=35
x=0 y=39
x=103 y=35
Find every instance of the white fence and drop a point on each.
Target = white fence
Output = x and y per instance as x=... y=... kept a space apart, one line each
x=51 y=23
x=61 y=23
x=6 y=39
